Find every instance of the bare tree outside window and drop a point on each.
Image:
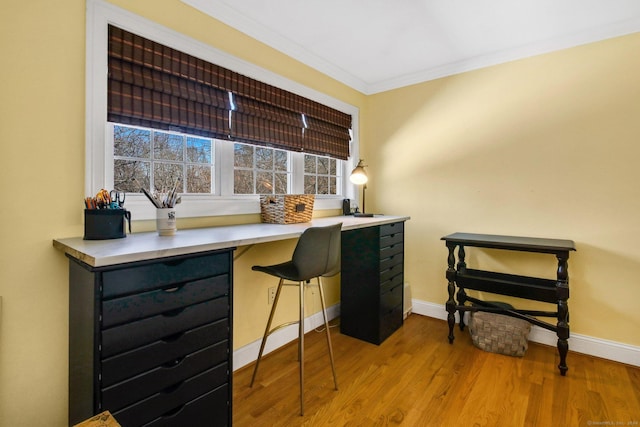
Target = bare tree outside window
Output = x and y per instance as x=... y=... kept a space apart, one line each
x=243 y=174
x=166 y=176
x=260 y=170
x=320 y=175
x=167 y=146
x=156 y=160
x=132 y=158
x=199 y=179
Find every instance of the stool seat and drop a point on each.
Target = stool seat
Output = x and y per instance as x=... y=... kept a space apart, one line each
x=286 y=270
x=317 y=254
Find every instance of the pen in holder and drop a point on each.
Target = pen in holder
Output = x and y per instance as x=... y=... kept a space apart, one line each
x=165 y=209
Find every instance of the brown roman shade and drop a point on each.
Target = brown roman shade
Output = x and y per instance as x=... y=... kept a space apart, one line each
x=155 y=86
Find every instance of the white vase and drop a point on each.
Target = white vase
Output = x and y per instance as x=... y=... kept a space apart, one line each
x=166 y=221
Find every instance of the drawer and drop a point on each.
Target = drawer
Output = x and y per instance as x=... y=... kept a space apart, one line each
x=391 y=239
x=391 y=299
x=145 y=331
x=391 y=272
x=389 y=262
x=134 y=362
x=387 y=285
x=125 y=309
x=212 y=409
x=390 y=322
x=151 y=382
x=171 y=271
x=388 y=229
x=173 y=398
x=391 y=250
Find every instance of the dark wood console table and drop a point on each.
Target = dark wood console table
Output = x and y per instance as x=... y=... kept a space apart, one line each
x=533 y=288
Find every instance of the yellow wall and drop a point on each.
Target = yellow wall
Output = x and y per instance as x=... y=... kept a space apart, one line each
x=42 y=172
x=539 y=147
x=547 y=147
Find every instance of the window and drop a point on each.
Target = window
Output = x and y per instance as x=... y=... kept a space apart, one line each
x=321 y=175
x=108 y=166
x=158 y=160
x=260 y=170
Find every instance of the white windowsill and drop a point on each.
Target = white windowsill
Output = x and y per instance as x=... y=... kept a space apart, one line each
x=194 y=206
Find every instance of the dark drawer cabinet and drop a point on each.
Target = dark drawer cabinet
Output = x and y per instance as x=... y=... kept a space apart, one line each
x=371 y=306
x=151 y=341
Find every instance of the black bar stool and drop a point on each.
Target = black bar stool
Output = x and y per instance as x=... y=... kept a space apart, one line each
x=317 y=254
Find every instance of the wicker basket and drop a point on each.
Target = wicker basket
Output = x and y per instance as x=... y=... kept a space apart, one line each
x=498 y=333
x=286 y=208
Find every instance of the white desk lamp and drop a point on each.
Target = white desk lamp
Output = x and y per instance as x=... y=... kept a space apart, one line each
x=359 y=177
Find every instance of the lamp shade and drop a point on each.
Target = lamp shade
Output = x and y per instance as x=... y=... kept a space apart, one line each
x=358 y=175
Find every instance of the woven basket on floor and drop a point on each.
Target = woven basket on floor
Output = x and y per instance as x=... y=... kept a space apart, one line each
x=286 y=208
x=498 y=333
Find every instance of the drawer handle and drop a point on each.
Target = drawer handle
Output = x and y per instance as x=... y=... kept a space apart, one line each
x=174 y=363
x=174 y=289
x=173 y=338
x=173 y=313
x=172 y=388
x=174 y=262
x=173 y=412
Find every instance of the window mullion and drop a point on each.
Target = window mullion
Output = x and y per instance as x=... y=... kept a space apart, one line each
x=224 y=167
x=108 y=166
x=185 y=164
x=254 y=175
x=297 y=173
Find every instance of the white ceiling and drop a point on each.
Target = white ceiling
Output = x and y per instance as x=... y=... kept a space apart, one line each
x=377 y=45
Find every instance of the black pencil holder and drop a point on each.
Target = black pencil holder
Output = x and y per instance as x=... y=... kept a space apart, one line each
x=103 y=224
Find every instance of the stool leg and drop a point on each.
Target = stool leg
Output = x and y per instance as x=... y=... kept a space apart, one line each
x=301 y=347
x=267 y=331
x=326 y=328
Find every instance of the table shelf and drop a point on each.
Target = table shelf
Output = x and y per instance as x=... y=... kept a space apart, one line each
x=532 y=288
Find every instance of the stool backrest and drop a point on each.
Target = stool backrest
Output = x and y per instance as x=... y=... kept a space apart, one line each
x=318 y=252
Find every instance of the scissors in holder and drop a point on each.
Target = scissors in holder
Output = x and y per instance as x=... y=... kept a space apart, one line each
x=117 y=197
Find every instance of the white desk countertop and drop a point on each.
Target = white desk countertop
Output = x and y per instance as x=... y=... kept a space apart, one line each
x=145 y=246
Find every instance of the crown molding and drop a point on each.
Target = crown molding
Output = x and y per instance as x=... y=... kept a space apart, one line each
x=221 y=11
x=501 y=57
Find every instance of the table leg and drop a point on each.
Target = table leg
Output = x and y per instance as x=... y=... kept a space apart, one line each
x=562 y=288
x=451 y=288
x=462 y=298
x=462 y=294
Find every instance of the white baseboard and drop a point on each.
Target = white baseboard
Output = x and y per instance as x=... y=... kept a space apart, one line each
x=247 y=354
x=598 y=347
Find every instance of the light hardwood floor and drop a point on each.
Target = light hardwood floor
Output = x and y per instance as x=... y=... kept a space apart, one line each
x=416 y=378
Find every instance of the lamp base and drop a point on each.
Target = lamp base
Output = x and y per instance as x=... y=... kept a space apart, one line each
x=362 y=215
